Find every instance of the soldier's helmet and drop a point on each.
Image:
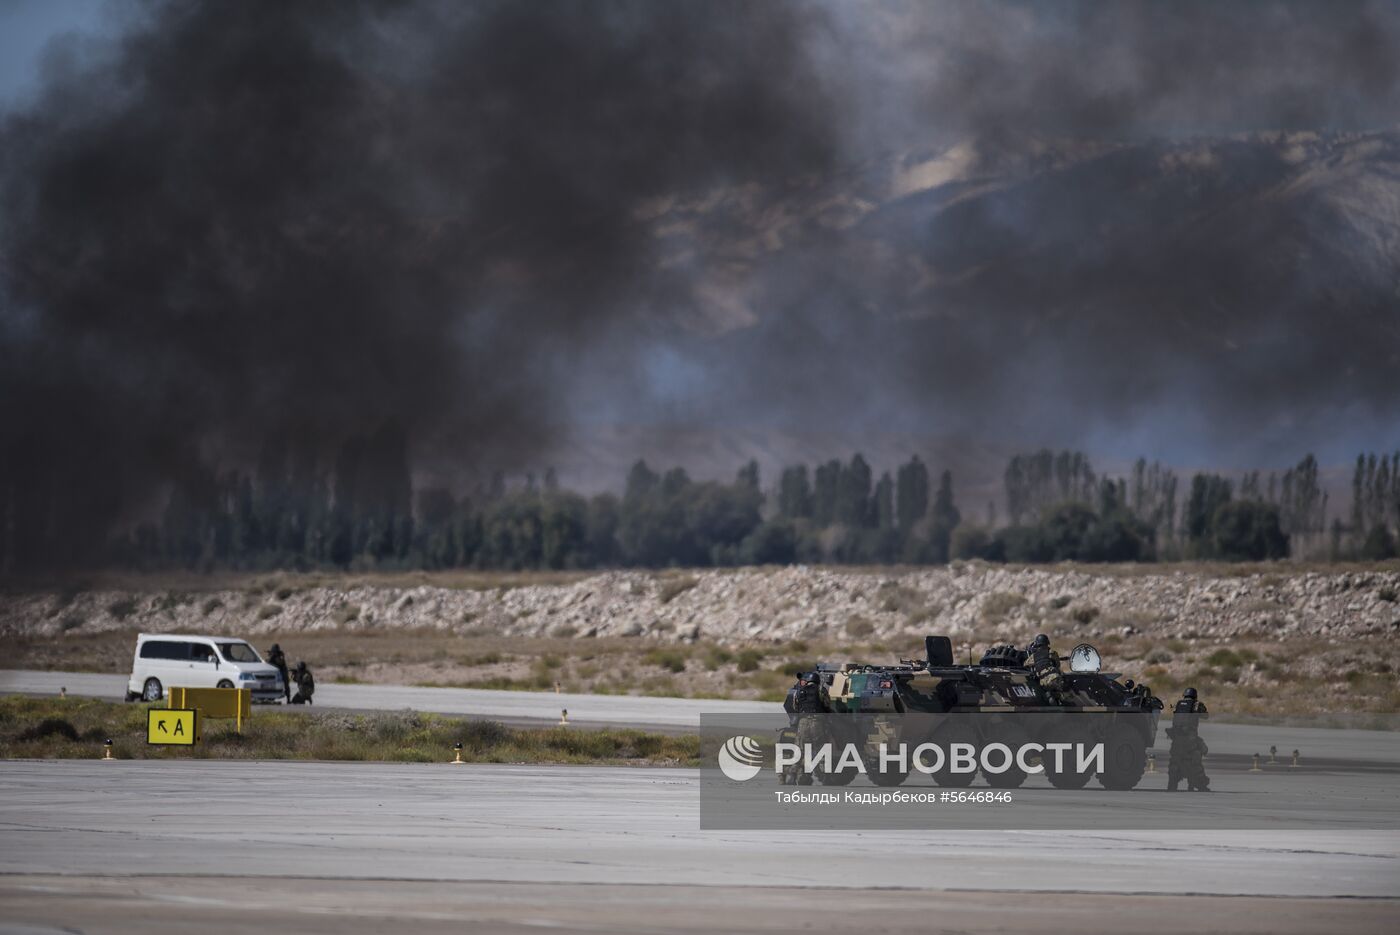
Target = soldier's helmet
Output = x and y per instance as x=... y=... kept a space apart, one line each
x=276 y=648
x=300 y=665
x=1129 y=684
x=1189 y=693
x=1041 y=640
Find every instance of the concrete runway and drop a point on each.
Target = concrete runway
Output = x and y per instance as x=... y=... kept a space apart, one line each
x=510 y=706
x=1227 y=741
x=234 y=846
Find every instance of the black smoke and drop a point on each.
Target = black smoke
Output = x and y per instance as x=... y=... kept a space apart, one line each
x=484 y=225
x=299 y=221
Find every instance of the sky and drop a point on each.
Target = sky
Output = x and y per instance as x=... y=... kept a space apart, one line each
x=26 y=27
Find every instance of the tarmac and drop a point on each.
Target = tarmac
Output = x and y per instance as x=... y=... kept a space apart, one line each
x=97 y=846
x=185 y=845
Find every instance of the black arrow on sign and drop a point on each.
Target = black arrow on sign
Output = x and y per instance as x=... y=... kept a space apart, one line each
x=160 y=726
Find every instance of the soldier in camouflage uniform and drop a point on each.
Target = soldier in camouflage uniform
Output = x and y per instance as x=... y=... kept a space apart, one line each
x=1044 y=664
x=1188 y=751
x=806 y=698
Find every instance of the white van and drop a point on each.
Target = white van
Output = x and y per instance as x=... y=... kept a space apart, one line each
x=173 y=661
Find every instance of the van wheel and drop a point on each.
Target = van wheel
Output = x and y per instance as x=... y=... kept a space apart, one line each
x=224 y=683
x=152 y=690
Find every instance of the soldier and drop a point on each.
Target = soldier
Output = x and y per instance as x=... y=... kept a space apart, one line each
x=1188 y=751
x=1044 y=663
x=306 y=685
x=278 y=660
x=806 y=708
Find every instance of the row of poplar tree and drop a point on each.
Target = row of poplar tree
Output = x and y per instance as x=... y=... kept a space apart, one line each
x=366 y=514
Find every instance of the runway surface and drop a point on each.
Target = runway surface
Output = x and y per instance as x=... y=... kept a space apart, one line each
x=613 y=849
x=544 y=707
x=683 y=714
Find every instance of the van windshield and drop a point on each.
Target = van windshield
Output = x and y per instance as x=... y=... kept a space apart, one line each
x=238 y=652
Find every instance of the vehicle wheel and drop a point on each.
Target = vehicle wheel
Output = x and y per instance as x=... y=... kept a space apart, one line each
x=844 y=778
x=1014 y=737
x=891 y=777
x=945 y=737
x=1125 y=759
x=224 y=683
x=152 y=690
x=1068 y=777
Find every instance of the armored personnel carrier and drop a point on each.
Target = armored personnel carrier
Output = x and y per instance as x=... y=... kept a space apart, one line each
x=1012 y=696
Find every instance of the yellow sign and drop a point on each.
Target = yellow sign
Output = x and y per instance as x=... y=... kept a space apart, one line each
x=166 y=726
x=235 y=703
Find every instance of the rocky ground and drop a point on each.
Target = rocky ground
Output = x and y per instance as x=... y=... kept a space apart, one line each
x=757 y=605
x=1249 y=634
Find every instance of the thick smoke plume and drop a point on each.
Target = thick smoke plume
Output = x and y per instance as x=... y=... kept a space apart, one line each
x=246 y=221
x=484 y=224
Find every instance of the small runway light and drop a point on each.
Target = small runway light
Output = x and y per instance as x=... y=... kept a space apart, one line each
x=1295 y=759
x=1255 y=768
x=1151 y=762
x=63 y=691
x=458 y=747
x=1273 y=755
x=107 y=749
x=564 y=717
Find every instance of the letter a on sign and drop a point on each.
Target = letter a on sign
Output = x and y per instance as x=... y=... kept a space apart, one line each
x=172 y=726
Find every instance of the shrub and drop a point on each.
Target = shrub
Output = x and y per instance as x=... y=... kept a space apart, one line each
x=1060 y=603
x=668 y=659
x=1158 y=657
x=211 y=605
x=748 y=660
x=283 y=593
x=269 y=610
x=858 y=626
x=1086 y=614
x=123 y=608
x=1225 y=658
x=716 y=657
x=1386 y=594
x=49 y=727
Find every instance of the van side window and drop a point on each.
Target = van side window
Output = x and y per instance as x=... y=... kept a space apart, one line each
x=201 y=652
x=164 y=649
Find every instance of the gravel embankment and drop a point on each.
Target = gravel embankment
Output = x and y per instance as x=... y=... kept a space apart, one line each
x=766 y=604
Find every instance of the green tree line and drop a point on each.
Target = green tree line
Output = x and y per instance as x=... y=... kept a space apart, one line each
x=364 y=512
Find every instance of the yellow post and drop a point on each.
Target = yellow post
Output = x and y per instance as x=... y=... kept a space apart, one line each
x=1151 y=762
x=1255 y=768
x=458 y=747
x=107 y=749
x=564 y=716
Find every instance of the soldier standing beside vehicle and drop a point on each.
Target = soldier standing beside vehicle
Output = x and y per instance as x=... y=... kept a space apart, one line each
x=1188 y=751
x=807 y=707
x=278 y=660
x=306 y=685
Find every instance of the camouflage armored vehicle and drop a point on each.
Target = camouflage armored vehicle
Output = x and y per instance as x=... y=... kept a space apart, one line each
x=1010 y=695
